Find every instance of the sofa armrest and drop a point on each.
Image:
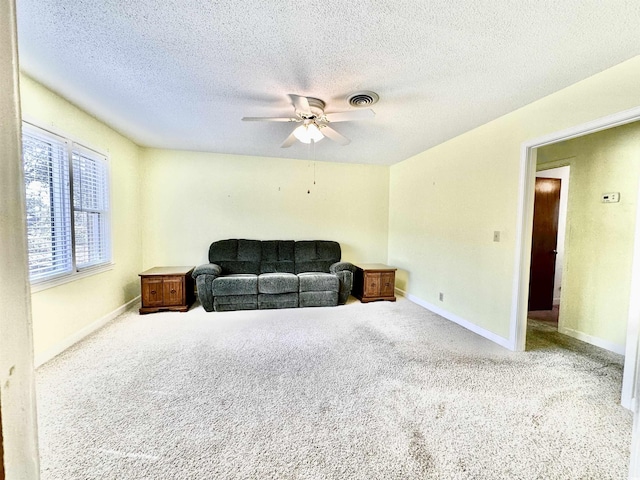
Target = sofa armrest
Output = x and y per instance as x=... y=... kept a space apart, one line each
x=204 y=276
x=341 y=266
x=207 y=269
x=344 y=271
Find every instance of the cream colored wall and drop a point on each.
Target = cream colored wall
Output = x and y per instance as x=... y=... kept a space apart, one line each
x=62 y=311
x=192 y=199
x=599 y=244
x=446 y=202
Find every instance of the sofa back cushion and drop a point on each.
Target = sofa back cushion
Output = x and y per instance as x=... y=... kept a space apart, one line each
x=316 y=255
x=271 y=256
x=277 y=256
x=236 y=256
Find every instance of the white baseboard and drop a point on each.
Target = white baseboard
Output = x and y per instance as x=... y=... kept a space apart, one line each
x=503 y=342
x=598 y=342
x=60 y=347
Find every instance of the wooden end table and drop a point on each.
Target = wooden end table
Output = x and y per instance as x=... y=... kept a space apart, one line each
x=167 y=288
x=374 y=281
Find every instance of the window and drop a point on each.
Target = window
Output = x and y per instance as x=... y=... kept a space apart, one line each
x=67 y=205
x=90 y=208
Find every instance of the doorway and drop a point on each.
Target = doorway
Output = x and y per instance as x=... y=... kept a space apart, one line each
x=548 y=243
x=604 y=170
x=529 y=163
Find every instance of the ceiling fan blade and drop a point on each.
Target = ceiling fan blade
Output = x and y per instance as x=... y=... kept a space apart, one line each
x=269 y=119
x=301 y=104
x=331 y=134
x=290 y=140
x=350 y=115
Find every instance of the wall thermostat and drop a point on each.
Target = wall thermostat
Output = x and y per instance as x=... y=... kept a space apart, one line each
x=611 y=197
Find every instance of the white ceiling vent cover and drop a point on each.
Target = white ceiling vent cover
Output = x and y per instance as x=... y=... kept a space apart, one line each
x=362 y=99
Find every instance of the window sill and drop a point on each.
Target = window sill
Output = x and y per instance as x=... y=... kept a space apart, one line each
x=72 y=277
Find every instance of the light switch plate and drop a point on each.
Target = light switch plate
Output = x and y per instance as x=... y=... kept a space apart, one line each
x=496 y=236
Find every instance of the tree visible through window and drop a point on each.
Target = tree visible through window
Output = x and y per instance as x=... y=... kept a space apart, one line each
x=55 y=171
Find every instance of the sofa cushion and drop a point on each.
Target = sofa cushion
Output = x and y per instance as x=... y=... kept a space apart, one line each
x=280 y=300
x=277 y=256
x=236 y=256
x=239 y=284
x=316 y=255
x=227 y=303
x=318 y=299
x=277 y=283
x=318 y=282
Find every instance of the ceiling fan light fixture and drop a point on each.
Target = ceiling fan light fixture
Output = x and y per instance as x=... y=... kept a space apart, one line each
x=306 y=133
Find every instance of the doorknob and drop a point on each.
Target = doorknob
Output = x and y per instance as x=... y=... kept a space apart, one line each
x=555 y=252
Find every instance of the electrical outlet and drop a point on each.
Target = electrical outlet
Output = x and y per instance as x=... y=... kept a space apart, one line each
x=441 y=297
x=496 y=236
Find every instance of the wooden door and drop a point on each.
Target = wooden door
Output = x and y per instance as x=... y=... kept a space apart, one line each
x=151 y=291
x=372 y=284
x=387 y=284
x=172 y=291
x=544 y=243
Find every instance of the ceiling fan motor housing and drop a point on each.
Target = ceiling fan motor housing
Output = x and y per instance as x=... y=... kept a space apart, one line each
x=316 y=106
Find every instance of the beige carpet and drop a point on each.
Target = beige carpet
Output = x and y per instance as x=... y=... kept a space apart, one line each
x=375 y=391
x=549 y=317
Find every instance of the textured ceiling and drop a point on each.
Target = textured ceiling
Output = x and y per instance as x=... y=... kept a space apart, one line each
x=182 y=73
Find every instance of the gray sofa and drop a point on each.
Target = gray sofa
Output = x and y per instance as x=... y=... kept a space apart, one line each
x=261 y=274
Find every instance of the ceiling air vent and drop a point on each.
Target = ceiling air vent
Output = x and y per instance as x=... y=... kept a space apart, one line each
x=362 y=99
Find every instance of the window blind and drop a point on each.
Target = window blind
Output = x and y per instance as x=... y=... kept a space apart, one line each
x=46 y=173
x=90 y=208
x=67 y=203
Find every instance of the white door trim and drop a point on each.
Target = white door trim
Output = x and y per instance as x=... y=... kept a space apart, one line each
x=17 y=379
x=634 y=466
x=518 y=325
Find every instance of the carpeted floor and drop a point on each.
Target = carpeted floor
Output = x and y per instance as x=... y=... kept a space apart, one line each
x=364 y=391
x=549 y=317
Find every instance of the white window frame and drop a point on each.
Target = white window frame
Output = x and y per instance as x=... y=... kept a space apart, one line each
x=104 y=212
x=71 y=146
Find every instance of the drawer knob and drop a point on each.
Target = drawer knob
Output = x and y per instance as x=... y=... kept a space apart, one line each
x=173 y=291
x=153 y=292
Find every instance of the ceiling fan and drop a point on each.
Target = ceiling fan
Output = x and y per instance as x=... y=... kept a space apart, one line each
x=309 y=112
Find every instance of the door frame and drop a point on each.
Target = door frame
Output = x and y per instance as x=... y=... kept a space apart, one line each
x=526 y=187
x=1 y=444
x=634 y=465
x=17 y=379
